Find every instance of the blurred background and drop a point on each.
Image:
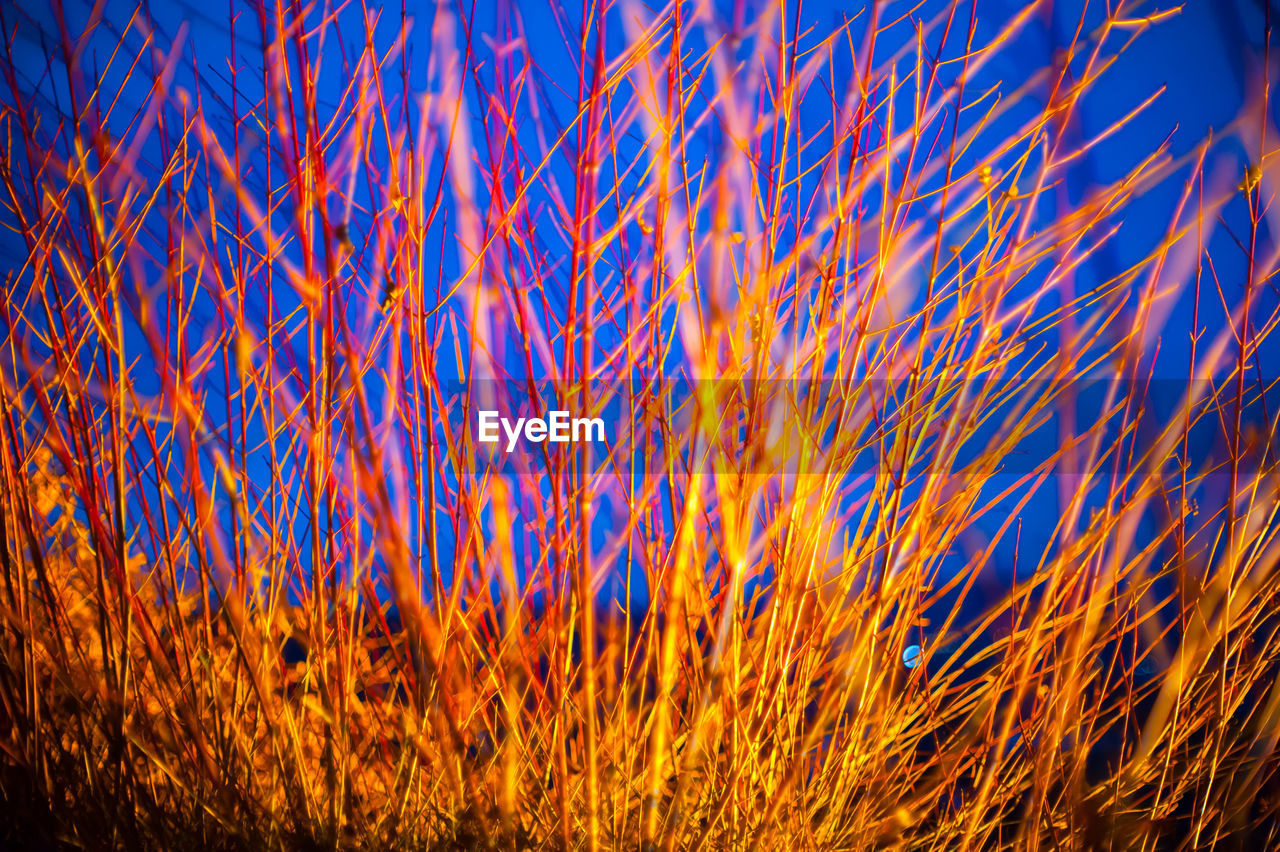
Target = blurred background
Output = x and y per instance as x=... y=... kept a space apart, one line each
x=1193 y=72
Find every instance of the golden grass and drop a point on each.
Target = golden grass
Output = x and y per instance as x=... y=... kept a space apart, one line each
x=230 y=444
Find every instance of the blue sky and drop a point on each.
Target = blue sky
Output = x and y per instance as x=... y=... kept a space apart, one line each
x=1202 y=57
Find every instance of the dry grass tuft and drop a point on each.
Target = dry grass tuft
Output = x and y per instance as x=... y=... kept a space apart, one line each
x=263 y=589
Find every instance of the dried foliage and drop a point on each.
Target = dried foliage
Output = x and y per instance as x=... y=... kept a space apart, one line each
x=262 y=588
